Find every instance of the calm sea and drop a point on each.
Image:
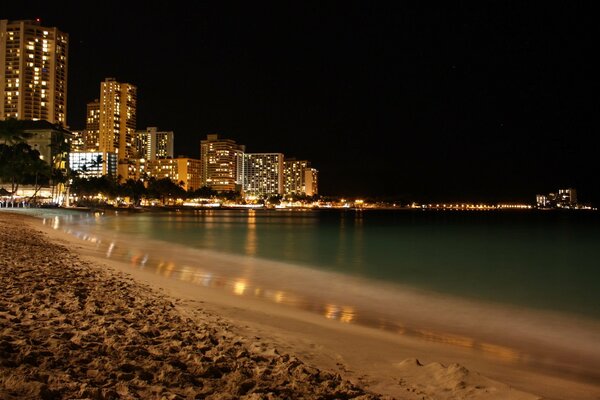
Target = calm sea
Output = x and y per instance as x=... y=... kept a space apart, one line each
x=548 y=260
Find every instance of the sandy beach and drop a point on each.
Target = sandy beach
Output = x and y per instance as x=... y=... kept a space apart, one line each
x=74 y=325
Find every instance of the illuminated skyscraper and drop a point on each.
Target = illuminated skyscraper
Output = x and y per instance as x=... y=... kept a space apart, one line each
x=221 y=163
x=311 y=181
x=91 y=135
x=118 y=108
x=300 y=178
x=33 y=72
x=152 y=144
x=263 y=174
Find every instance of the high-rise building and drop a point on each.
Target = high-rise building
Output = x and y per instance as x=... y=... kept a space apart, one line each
x=299 y=177
x=152 y=144
x=91 y=136
x=118 y=109
x=184 y=171
x=33 y=72
x=263 y=174
x=221 y=163
x=311 y=181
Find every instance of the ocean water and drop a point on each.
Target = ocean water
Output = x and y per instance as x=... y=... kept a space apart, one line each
x=547 y=260
x=520 y=286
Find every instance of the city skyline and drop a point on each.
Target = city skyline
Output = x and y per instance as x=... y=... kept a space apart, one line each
x=492 y=103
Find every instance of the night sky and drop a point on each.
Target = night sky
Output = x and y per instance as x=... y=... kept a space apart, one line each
x=485 y=101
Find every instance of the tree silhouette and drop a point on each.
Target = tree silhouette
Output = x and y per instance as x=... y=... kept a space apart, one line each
x=133 y=189
x=164 y=188
x=12 y=132
x=20 y=164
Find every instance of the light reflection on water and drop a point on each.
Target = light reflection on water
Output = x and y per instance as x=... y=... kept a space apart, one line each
x=242 y=286
x=251 y=238
x=242 y=282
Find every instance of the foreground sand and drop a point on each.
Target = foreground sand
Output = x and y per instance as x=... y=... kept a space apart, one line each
x=74 y=326
x=71 y=330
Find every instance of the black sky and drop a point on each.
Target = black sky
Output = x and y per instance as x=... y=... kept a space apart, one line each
x=454 y=101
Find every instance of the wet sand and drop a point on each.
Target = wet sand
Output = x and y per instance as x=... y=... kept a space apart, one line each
x=73 y=325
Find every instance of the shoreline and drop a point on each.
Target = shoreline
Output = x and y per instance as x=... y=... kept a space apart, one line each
x=382 y=362
x=72 y=329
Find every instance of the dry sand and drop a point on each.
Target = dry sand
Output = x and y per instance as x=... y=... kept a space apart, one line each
x=76 y=326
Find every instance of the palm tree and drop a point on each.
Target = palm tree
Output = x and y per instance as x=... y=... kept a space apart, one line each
x=38 y=173
x=60 y=148
x=164 y=189
x=20 y=164
x=12 y=132
x=133 y=189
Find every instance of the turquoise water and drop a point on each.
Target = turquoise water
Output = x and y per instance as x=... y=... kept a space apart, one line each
x=545 y=260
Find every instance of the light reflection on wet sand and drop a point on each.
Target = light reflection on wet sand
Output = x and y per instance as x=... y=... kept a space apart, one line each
x=241 y=283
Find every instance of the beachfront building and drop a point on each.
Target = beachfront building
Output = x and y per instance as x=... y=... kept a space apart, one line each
x=151 y=143
x=222 y=163
x=564 y=198
x=184 y=171
x=93 y=164
x=51 y=140
x=117 y=116
x=543 y=201
x=33 y=72
x=311 y=181
x=263 y=174
x=299 y=177
x=91 y=136
x=567 y=198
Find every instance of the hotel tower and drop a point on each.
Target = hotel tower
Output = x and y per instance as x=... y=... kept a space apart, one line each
x=222 y=161
x=300 y=177
x=152 y=144
x=91 y=135
x=33 y=72
x=117 y=117
x=263 y=174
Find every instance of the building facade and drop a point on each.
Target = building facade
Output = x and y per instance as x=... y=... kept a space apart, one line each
x=152 y=144
x=93 y=164
x=118 y=114
x=78 y=141
x=263 y=174
x=184 y=171
x=51 y=140
x=91 y=136
x=564 y=198
x=299 y=178
x=311 y=181
x=137 y=169
x=222 y=161
x=567 y=198
x=33 y=72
